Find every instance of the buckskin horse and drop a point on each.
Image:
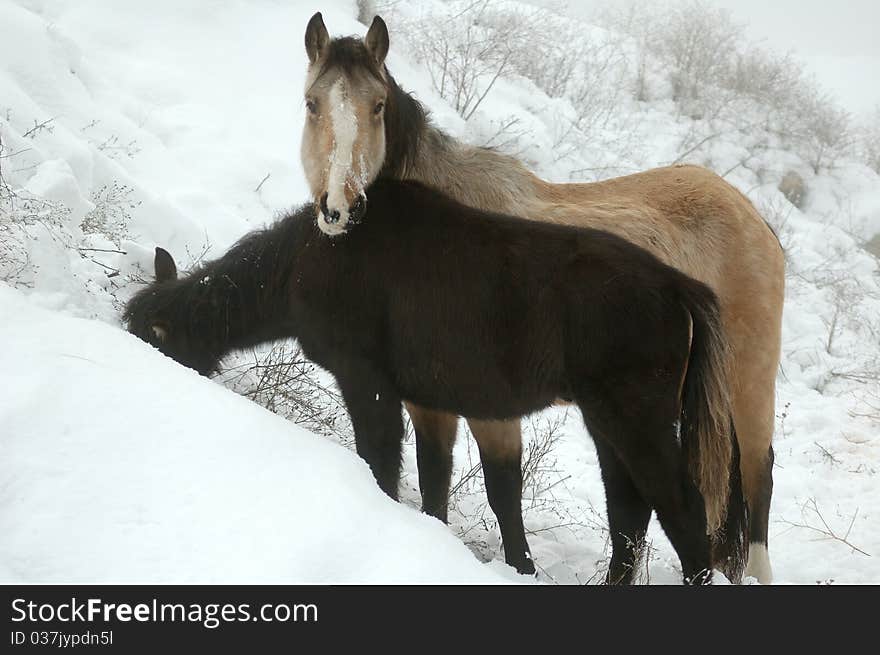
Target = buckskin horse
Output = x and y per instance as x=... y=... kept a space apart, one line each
x=361 y=126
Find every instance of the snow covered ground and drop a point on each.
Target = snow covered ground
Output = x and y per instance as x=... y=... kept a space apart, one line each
x=119 y=465
x=177 y=124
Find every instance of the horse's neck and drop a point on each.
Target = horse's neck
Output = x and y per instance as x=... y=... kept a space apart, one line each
x=477 y=177
x=248 y=287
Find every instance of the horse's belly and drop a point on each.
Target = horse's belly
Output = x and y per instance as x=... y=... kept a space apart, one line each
x=474 y=393
x=484 y=409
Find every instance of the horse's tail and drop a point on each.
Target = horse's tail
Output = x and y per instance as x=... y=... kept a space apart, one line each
x=730 y=542
x=707 y=434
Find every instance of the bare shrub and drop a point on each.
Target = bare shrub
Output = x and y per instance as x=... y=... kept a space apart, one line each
x=767 y=90
x=563 y=61
x=777 y=213
x=728 y=86
x=765 y=77
x=633 y=21
x=869 y=141
x=283 y=381
x=589 y=71
x=110 y=216
x=813 y=520
x=507 y=137
x=586 y=65
x=39 y=127
x=21 y=215
x=695 y=41
x=825 y=134
x=466 y=51
x=113 y=147
x=26 y=218
x=540 y=470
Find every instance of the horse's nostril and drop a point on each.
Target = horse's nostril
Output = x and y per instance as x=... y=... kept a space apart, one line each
x=329 y=216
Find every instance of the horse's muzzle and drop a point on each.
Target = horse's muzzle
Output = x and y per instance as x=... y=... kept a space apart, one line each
x=330 y=217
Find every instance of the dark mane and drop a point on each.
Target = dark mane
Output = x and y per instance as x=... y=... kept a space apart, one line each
x=349 y=54
x=405 y=124
x=231 y=302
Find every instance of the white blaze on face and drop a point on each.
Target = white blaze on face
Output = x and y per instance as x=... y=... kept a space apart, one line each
x=344 y=127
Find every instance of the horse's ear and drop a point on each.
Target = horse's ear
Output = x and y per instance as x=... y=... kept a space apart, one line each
x=376 y=40
x=317 y=37
x=164 y=265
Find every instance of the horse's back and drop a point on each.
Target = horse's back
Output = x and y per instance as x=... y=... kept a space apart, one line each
x=509 y=310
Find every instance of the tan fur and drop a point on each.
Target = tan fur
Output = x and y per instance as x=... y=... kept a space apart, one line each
x=318 y=137
x=494 y=437
x=440 y=425
x=712 y=471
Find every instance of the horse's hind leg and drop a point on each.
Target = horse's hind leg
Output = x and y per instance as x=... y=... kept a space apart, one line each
x=752 y=314
x=761 y=488
x=628 y=516
x=638 y=424
x=435 y=437
x=755 y=363
x=753 y=417
x=500 y=445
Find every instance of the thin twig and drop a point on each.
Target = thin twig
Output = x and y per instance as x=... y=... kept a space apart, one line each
x=260 y=185
x=827 y=454
x=826 y=530
x=118 y=252
x=38 y=127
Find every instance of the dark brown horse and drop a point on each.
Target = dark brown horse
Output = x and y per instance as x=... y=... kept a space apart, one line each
x=490 y=316
x=360 y=126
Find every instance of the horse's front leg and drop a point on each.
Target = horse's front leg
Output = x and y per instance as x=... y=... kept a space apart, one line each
x=375 y=411
x=500 y=445
x=435 y=437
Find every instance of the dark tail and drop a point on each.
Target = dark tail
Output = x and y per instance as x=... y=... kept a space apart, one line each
x=730 y=543
x=707 y=434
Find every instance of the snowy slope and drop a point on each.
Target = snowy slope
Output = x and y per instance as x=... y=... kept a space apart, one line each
x=187 y=107
x=121 y=466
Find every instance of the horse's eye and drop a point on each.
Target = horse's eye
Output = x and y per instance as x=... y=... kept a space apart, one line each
x=311 y=106
x=379 y=107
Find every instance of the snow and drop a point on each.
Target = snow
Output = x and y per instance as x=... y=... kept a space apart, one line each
x=120 y=466
x=344 y=128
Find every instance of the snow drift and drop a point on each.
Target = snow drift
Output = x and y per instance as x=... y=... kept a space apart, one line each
x=119 y=465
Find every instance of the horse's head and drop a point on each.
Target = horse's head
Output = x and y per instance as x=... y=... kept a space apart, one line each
x=343 y=142
x=157 y=316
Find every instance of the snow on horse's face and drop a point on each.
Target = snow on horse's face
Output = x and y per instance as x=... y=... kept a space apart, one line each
x=343 y=141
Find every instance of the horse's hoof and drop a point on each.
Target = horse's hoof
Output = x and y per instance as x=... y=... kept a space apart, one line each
x=526 y=567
